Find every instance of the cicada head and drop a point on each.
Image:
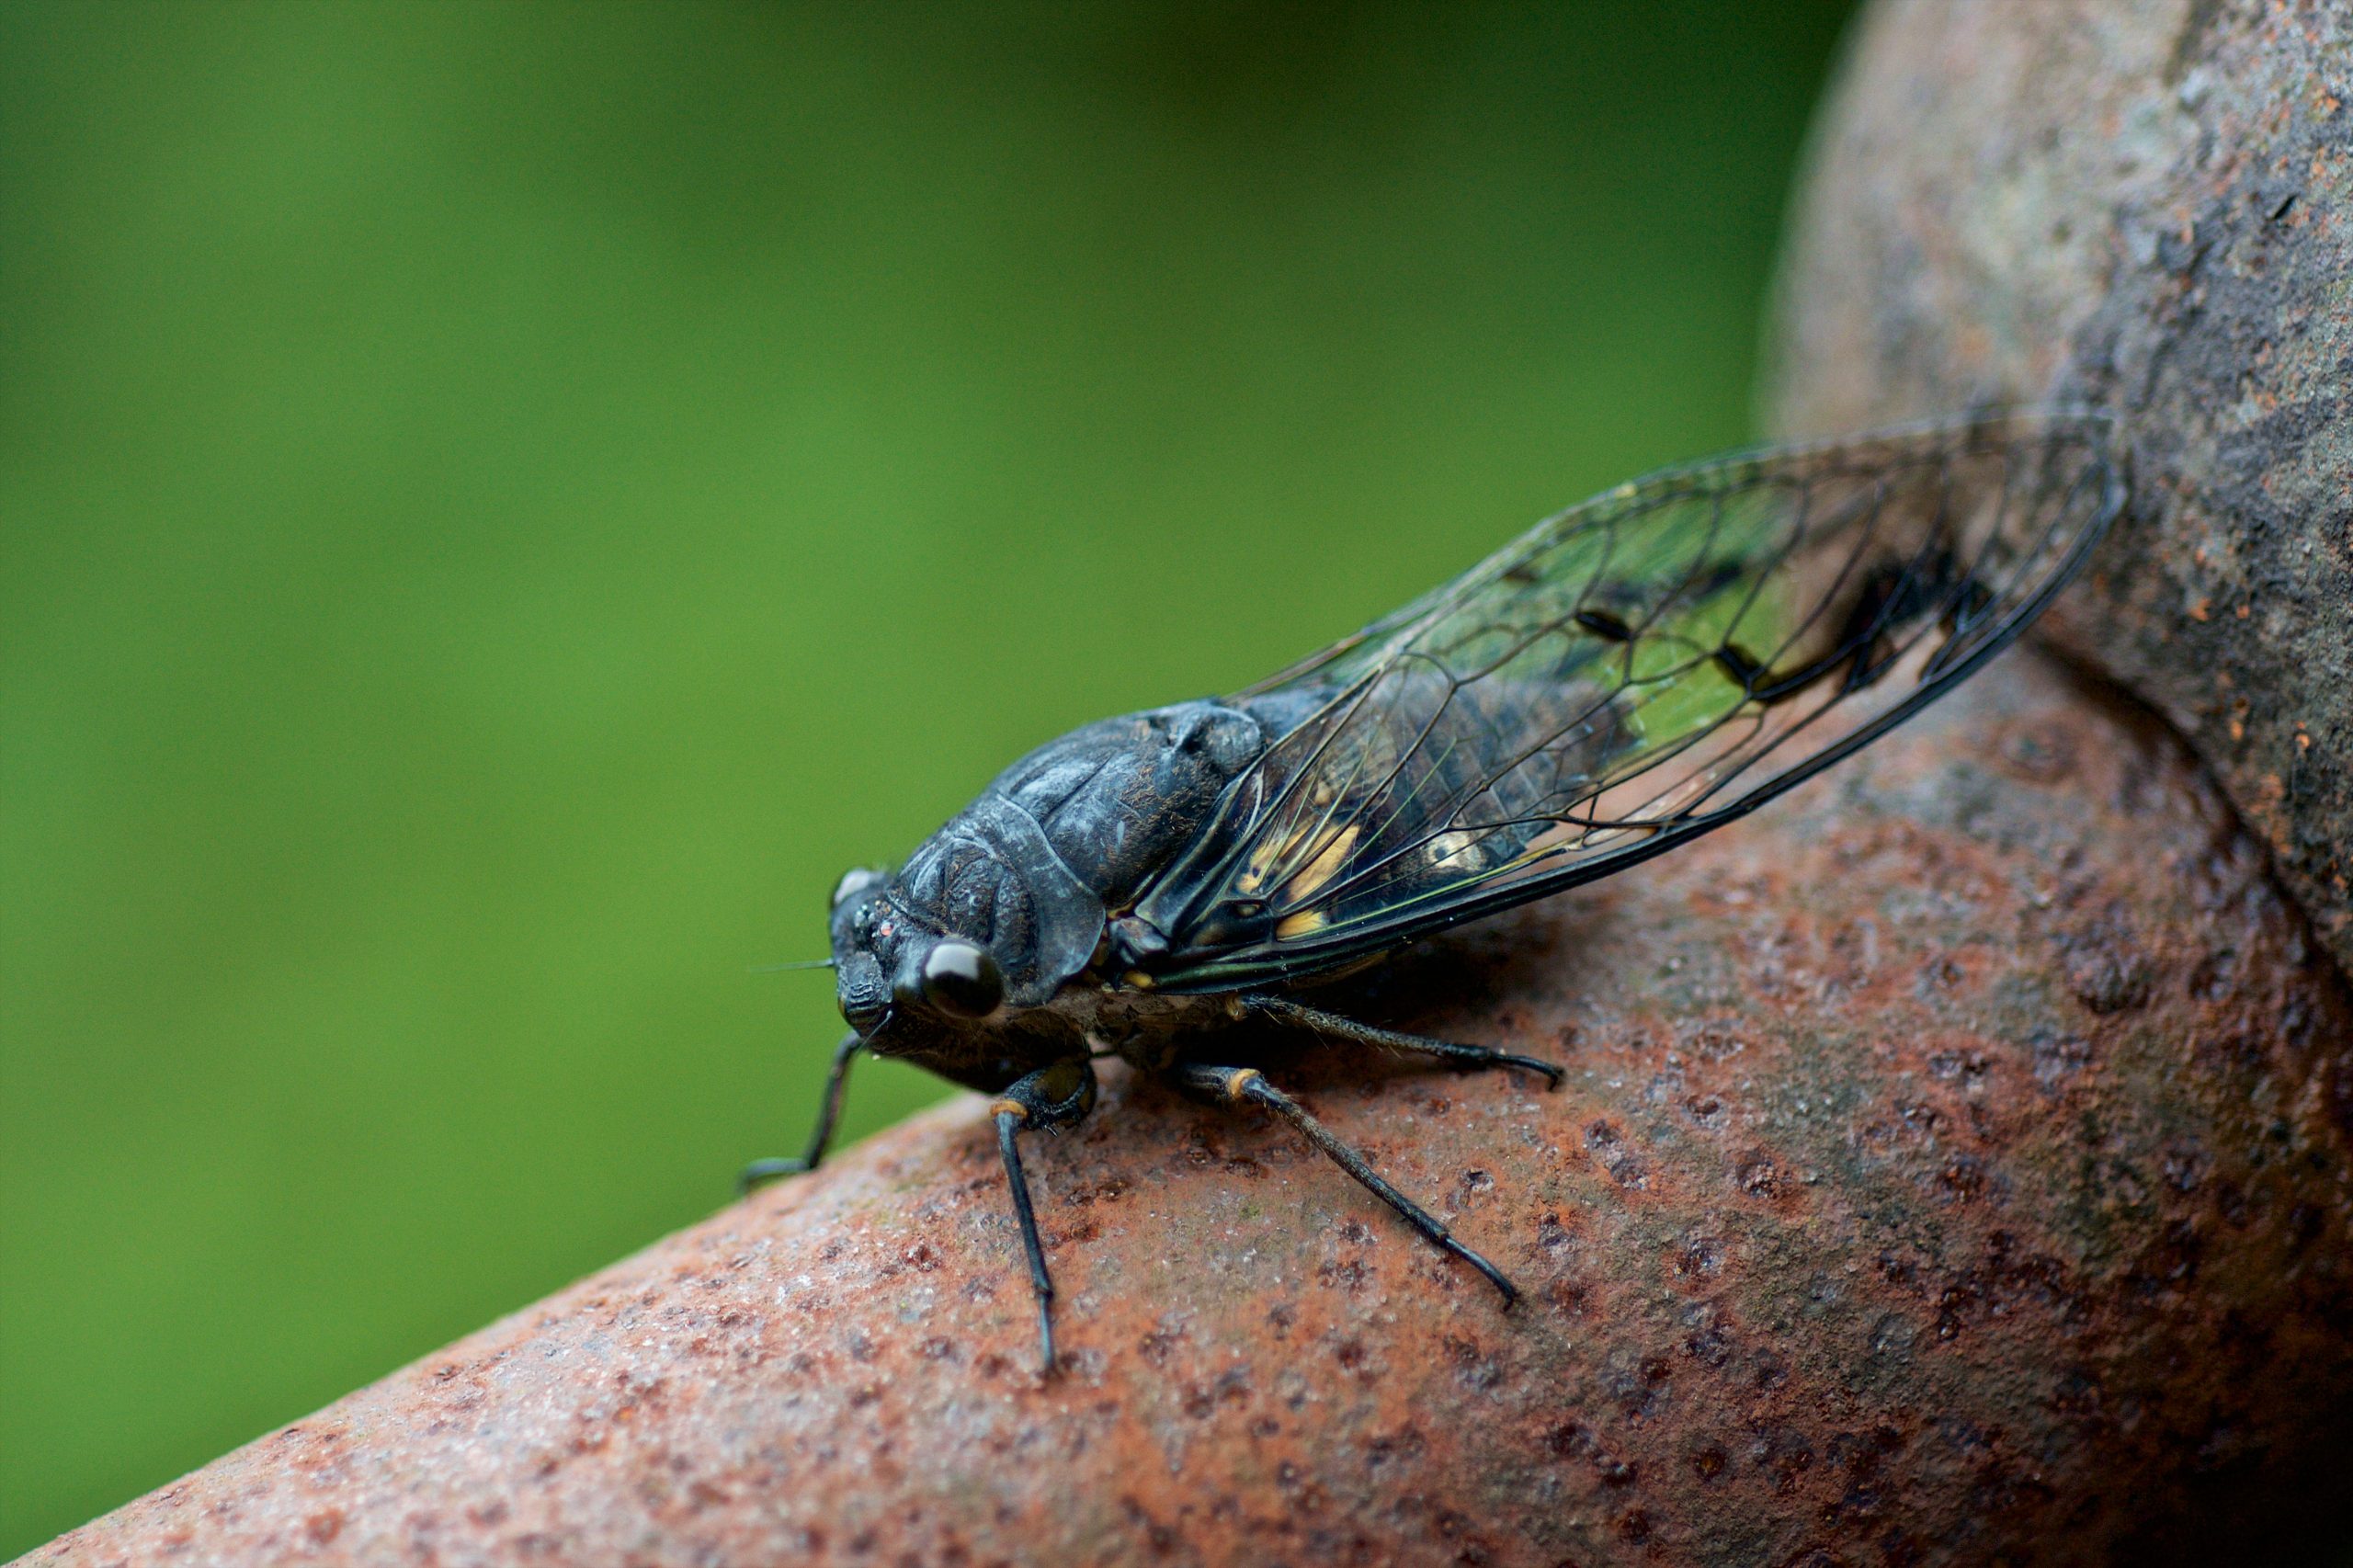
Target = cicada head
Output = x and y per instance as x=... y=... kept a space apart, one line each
x=859 y=929
x=944 y=994
x=891 y=955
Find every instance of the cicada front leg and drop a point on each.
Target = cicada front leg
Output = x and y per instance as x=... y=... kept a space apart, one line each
x=828 y=1113
x=1048 y=1101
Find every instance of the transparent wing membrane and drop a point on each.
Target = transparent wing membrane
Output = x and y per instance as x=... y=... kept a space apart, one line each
x=1627 y=674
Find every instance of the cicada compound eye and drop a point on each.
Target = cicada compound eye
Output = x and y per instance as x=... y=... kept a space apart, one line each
x=854 y=882
x=962 y=980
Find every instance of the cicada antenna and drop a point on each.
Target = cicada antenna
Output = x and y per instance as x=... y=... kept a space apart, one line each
x=781 y=968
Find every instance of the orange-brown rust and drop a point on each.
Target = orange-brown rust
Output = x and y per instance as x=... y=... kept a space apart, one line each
x=1953 y=1161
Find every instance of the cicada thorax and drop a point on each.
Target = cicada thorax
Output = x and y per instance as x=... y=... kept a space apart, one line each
x=1037 y=871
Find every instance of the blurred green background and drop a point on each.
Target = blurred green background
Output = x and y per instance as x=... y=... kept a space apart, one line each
x=500 y=504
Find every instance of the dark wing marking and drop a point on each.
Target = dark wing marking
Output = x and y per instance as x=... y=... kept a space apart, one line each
x=1628 y=674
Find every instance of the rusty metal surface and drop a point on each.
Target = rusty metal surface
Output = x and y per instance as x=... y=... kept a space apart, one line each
x=2147 y=204
x=1953 y=1164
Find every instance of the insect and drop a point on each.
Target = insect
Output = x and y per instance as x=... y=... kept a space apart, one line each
x=1628 y=674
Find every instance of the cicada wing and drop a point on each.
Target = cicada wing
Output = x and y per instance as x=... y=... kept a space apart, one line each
x=1629 y=674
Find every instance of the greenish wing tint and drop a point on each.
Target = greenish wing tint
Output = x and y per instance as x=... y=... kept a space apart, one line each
x=1629 y=674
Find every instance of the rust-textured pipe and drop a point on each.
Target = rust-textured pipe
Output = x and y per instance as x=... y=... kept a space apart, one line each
x=2147 y=204
x=1952 y=1168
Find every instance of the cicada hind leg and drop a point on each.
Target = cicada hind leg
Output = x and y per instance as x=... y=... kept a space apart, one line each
x=1332 y=1026
x=1247 y=1085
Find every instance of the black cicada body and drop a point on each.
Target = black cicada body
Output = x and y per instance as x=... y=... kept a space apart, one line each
x=1625 y=676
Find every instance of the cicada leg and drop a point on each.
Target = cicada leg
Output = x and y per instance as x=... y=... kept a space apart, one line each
x=1048 y=1099
x=1332 y=1026
x=1247 y=1084
x=828 y=1113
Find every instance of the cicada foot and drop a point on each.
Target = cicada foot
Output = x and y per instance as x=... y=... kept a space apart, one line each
x=760 y=1171
x=1047 y=1100
x=1236 y=1086
x=1334 y=1025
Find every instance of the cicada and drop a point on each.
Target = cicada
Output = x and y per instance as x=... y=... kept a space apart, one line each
x=1632 y=673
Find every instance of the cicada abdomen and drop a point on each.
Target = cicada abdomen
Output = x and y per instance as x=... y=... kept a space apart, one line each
x=1635 y=671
